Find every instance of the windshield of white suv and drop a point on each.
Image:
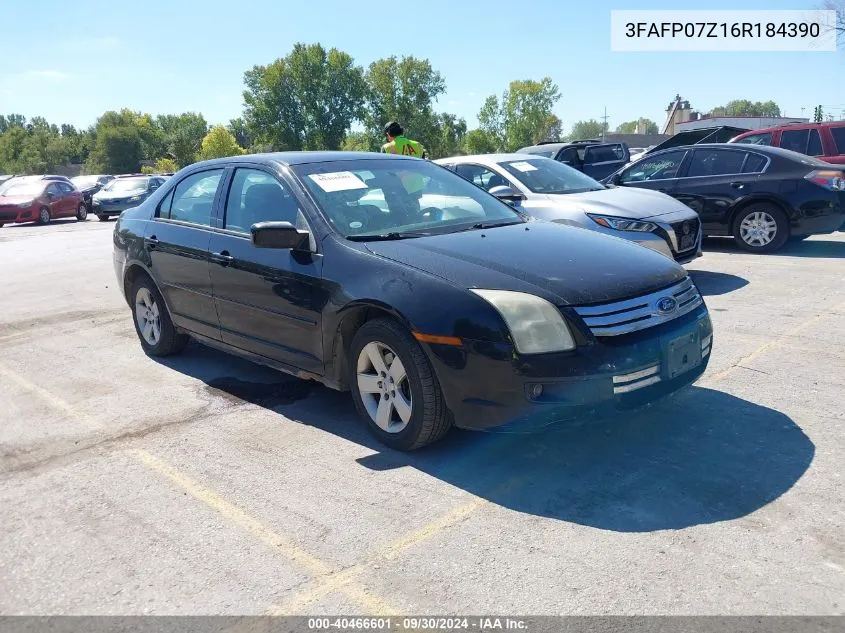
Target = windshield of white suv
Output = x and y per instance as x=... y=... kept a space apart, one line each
x=543 y=175
x=398 y=198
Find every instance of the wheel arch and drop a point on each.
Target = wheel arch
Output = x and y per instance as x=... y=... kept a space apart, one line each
x=349 y=321
x=131 y=274
x=757 y=199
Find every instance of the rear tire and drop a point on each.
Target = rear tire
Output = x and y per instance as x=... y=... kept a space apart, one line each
x=82 y=213
x=402 y=404
x=760 y=228
x=152 y=321
x=44 y=215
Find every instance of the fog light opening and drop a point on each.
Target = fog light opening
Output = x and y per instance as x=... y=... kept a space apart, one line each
x=536 y=391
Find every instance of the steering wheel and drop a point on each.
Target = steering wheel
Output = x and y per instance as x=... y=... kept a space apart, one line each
x=432 y=214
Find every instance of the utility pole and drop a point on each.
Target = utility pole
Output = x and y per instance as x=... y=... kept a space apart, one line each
x=604 y=123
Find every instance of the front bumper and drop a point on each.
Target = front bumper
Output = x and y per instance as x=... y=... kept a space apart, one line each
x=488 y=385
x=99 y=207
x=10 y=215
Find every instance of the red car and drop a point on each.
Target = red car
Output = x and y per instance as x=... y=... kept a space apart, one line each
x=36 y=200
x=825 y=141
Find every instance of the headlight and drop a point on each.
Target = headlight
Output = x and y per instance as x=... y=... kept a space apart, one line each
x=622 y=224
x=535 y=324
x=24 y=205
x=135 y=198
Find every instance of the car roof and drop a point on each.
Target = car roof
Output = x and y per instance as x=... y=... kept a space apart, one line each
x=740 y=147
x=490 y=158
x=302 y=158
x=792 y=126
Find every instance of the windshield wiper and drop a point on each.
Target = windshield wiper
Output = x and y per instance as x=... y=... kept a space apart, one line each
x=381 y=237
x=489 y=225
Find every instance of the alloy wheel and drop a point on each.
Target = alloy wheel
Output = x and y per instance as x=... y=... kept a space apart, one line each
x=758 y=229
x=147 y=316
x=384 y=387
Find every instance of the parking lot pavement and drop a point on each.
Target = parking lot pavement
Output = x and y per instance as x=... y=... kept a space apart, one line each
x=202 y=484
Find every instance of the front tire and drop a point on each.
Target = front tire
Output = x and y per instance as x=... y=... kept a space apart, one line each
x=761 y=228
x=102 y=217
x=44 y=215
x=394 y=387
x=152 y=321
x=82 y=213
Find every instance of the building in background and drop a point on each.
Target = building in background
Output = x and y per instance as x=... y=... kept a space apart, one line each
x=680 y=117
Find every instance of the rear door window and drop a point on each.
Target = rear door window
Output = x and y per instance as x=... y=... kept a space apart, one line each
x=795 y=140
x=715 y=162
x=193 y=199
x=839 y=138
x=754 y=164
x=814 y=145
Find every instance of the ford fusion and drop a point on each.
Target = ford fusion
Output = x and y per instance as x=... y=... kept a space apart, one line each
x=433 y=310
x=549 y=190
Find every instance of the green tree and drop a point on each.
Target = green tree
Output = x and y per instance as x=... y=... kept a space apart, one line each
x=307 y=100
x=239 y=130
x=630 y=127
x=117 y=150
x=479 y=142
x=219 y=143
x=744 y=107
x=523 y=116
x=583 y=130
x=449 y=138
x=356 y=142
x=182 y=136
x=404 y=90
x=818 y=114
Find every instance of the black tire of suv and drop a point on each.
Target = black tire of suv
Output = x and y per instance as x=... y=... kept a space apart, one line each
x=171 y=341
x=781 y=234
x=102 y=218
x=430 y=418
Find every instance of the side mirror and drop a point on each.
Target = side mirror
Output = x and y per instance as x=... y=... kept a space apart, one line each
x=279 y=235
x=506 y=194
x=615 y=179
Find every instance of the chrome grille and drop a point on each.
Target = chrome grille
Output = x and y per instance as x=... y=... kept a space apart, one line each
x=640 y=313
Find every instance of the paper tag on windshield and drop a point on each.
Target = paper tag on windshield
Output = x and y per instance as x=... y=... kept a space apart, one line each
x=338 y=181
x=523 y=166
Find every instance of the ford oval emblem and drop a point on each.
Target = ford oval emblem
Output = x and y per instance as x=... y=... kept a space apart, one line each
x=667 y=305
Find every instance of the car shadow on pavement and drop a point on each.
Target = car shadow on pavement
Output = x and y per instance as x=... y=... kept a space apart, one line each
x=710 y=283
x=699 y=457
x=811 y=247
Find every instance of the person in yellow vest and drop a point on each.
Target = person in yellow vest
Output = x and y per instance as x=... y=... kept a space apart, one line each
x=397 y=143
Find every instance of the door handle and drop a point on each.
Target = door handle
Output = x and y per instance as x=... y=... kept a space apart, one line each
x=224 y=259
x=151 y=242
x=737 y=185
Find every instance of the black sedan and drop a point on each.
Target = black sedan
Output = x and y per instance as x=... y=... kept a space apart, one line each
x=89 y=185
x=762 y=196
x=457 y=311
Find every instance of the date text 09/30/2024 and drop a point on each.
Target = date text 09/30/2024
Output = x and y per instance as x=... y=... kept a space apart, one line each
x=481 y=624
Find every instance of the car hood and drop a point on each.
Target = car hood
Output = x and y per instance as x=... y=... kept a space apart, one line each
x=17 y=199
x=111 y=195
x=566 y=265
x=624 y=202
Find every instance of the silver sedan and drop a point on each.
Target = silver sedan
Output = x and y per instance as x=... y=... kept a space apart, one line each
x=548 y=190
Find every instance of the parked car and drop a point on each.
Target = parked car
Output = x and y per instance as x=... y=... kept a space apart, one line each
x=593 y=157
x=762 y=196
x=468 y=313
x=39 y=200
x=825 y=141
x=89 y=185
x=121 y=193
x=548 y=190
x=20 y=179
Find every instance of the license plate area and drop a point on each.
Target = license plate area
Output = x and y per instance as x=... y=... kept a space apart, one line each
x=686 y=242
x=682 y=354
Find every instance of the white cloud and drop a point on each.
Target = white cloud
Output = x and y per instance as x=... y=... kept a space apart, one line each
x=33 y=80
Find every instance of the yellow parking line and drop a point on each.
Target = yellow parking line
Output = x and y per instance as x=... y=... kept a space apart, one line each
x=368 y=602
x=772 y=344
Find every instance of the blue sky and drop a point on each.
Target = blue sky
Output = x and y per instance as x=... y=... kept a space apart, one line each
x=186 y=55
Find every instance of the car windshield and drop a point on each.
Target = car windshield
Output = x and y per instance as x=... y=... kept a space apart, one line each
x=400 y=198
x=543 y=175
x=126 y=184
x=24 y=188
x=83 y=182
x=548 y=153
